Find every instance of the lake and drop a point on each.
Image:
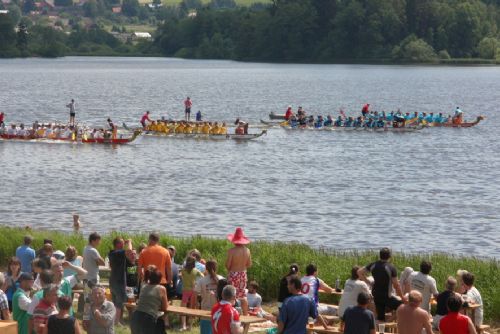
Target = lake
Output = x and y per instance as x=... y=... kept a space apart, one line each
x=434 y=190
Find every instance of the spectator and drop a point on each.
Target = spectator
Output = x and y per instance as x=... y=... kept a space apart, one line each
x=352 y=288
x=46 y=278
x=472 y=296
x=4 y=303
x=296 y=310
x=283 y=292
x=45 y=308
x=412 y=319
x=189 y=277
x=238 y=261
x=157 y=256
x=255 y=302
x=208 y=292
x=41 y=252
x=311 y=285
x=118 y=259
x=37 y=270
x=385 y=275
x=71 y=255
x=100 y=315
x=358 y=319
x=198 y=264
x=92 y=259
x=12 y=279
x=424 y=283
x=442 y=301
x=21 y=301
x=172 y=289
x=454 y=322
x=62 y=322
x=46 y=256
x=26 y=254
x=152 y=303
x=225 y=318
x=66 y=284
x=404 y=280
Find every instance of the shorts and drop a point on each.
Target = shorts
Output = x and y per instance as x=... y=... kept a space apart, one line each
x=118 y=296
x=187 y=111
x=325 y=309
x=189 y=298
x=238 y=279
x=72 y=114
x=382 y=304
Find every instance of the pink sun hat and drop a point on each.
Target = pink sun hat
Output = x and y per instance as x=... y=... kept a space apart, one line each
x=238 y=238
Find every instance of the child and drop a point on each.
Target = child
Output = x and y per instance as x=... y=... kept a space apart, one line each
x=238 y=261
x=255 y=302
x=189 y=275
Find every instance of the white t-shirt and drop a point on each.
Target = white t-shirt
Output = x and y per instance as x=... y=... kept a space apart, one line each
x=474 y=296
x=254 y=300
x=426 y=285
x=352 y=289
x=90 y=257
x=208 y=290
x=310 y=286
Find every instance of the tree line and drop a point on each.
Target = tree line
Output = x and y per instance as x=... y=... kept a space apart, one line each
x=337 y=30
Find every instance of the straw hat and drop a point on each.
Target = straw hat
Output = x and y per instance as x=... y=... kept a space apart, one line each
x=238 y=238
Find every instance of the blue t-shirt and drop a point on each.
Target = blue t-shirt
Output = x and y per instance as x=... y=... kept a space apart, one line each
x=295 y=312
x=358 y=320
x=26 y=255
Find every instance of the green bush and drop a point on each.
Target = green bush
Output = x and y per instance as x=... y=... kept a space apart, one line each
x=488 y=47
x=271 y=260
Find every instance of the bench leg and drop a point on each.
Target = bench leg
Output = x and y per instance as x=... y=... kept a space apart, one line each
x=246 y=327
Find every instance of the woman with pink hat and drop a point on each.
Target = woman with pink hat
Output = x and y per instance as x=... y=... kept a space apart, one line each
x=238 y=261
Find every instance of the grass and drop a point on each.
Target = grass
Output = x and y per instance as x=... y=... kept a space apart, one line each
x=271 y=260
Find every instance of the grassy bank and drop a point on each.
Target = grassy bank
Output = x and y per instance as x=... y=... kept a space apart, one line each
x=271 y=260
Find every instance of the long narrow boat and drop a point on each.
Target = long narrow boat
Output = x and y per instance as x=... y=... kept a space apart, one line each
x=117 y=141
x=273 y=116
x=201 y=136
x=459 y=125
x=357 y=129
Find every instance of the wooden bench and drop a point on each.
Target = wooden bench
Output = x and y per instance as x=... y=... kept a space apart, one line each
x=246 y=321
x=8 y=327
x=483 y=329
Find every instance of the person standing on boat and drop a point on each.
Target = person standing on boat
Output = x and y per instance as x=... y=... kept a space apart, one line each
x=2 y=117
x=187 y=108
x=458 y=117
x=365 y=110
x=288 y=113
x=72 y=113
x=145 y=118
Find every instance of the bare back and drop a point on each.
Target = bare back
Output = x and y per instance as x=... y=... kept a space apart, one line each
x=238 y=259
x=411 y=320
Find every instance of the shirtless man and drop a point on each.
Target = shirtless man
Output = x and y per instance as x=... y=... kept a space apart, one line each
x=238 y=261
x=411 y=318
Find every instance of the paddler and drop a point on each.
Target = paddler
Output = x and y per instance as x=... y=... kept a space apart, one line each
x=205 y=129
x=430 y=118
x=380 y=123
x=223 y=129
x=288 y=113
x=188 y=129
x=358 y=122
x=349 y=122
x=319 y=122
x=338 y=122
x=145 y=118
x=215 y=129
x=458 y=116
x=243 y=124
x=329 y=121
x=179 y=128
x=162 y=127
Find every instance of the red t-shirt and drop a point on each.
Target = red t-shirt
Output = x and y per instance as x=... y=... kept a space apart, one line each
x=365 y=108
x=454 y=323
x=188 y=103
x=144 y=118
x=224 y=316
x=288 y=113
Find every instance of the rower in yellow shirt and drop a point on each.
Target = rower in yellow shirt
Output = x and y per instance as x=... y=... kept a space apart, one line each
x=40 y=133
x=161 y=127
x=223 y=129
x=188 y=128
x=171 y=127
x=215 y=129
x=179 y=128
x=197 y=128
x=205 y=129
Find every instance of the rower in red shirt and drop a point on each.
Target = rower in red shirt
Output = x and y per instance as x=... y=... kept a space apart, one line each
x=288 y=113
x=145 y=118
x=2 y=115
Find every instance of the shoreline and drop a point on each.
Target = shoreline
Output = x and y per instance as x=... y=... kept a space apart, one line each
x=452 y=62
x=271 y=259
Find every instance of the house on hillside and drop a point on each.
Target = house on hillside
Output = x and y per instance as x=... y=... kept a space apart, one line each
x=140 y=35
x=44 y=6
x=4 y=11
x=116 y=9
x=5 y=2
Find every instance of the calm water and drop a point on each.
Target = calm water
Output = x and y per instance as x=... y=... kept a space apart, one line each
x=434 y=190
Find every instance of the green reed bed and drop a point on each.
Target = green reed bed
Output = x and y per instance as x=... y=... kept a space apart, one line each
x=271 y=260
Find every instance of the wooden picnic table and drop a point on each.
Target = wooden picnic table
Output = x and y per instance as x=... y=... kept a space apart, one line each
x=322 y=330
x=335 y=293
x=8 y=327
x=246 y=320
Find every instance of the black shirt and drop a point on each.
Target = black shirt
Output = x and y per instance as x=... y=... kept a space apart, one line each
x=61 y=326
x=442 y=301
x=383 y=272
x=358 y=320
x=118 y=264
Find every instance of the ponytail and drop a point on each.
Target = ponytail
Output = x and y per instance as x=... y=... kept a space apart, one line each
x=211 y=267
